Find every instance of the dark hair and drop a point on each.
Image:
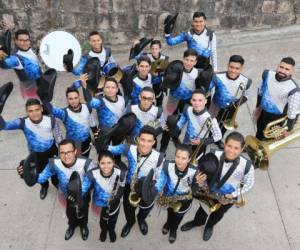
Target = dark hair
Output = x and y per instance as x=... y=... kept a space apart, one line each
x=199 y=91
x=111 y=79
x=183 y=147
x=21 y=32
x=105 y=153
x=143 y=58
x=93 y=33
x=199 y=14
x=155 y=42
x=67 y=141
x=288 y=60
x=236 y=136
x=70 y=90
x=32 y=101
x=190 y=52
x=147 y=89
x=237 y=59
x=148 y=130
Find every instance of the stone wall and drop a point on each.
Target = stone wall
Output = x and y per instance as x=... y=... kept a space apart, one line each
x=121 y=21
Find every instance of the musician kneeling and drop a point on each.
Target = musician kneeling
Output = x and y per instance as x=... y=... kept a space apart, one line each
x=108 y=183
x=235 y=173
x=174 y=189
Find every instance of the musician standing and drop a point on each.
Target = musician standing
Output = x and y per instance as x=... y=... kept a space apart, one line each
x=278 y=95
x=228 y=90
x=235 y=174
x=25 y=63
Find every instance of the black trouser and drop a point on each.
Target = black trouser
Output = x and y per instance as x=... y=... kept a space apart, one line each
x=129 y=210
x=84 y=148
x=72 y=213
x=201 y=216
x=43 y=159
x=116 y=141
x=174 y=218
x=108 y=219
x=263 y=120
x=165 y=139
x=159 y=95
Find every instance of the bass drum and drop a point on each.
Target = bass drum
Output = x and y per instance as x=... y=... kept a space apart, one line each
x=55 y=45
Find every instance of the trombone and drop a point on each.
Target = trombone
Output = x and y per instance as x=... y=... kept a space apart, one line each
x=230 y=123
x=208 y=124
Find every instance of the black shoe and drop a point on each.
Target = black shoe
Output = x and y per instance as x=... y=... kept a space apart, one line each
x=188 y=226
x=103 y=235
x=69 y=233
x=208 y=232
x=112 y=235
x=172 y=236
x=143 y=227
x=165 y=229
x=43 y=192
x=126 y=230
x=84 y=232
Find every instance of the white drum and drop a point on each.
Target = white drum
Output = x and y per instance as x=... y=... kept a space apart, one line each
x=55 y=45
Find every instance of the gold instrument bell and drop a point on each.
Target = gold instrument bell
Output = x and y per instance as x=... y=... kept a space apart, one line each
x=260 y=151
x=159 y=66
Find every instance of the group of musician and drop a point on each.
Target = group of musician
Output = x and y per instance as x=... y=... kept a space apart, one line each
x=136 y=106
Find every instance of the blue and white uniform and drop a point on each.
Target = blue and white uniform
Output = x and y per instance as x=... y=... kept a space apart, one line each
x=204 y=44
x=225 y=89
x=195 y=123
x=56 y=166
x=27 y=67
x=138 y=85
x=279 y=97
x=104 y=186
x=40 y=136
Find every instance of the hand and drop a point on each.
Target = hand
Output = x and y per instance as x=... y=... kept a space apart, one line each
x=71 y=198
x=286 y=133
x=195 y=141
x=20 y=169
x=256 y=114
x=201 y=178
x=83 y=78
x=166 y=128
x=3 y=55
x=135 y=43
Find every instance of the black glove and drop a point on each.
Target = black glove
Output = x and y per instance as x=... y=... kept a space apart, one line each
x=68 y=60
x=170 y=23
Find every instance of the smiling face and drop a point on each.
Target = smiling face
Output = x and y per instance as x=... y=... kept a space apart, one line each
x=95 y=42
x=234 y=70
x=198 y=102
x=189 y=62
x=106 y=165
x=146 y=100
x=145 y=143
x=73 y=100
x=35 y=112
x=23 y=42
x=155 y=50
x=67 y=154
x=110 y=89
x=284 y=70
x=198 y=24
x=182 y=159
x=143 y=69
x=232 y=149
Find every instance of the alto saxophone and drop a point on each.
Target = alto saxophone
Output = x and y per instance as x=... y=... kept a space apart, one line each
x=173 y=201
x=134 y=199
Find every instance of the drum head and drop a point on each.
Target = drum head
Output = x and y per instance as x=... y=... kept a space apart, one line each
x=55 y=45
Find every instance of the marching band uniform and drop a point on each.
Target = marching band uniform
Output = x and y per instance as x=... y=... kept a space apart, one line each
x=41 y=138
x=108 y=191
x=27 y=67
x=138 y=168
x=233 y=177
x=227 y=92
x=138 y=85
x=277 y=98
x=57 y=167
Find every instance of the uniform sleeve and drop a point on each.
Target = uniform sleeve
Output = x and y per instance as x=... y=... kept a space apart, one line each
x=161 y=181
x=57 y=134
x=176 y=39
x=248 y=183
x=215 y=130
x=214 y=57
x=45 y=174
x=92 y=121
x=59 y=113
x=11 y=62
x=182 y=121
x=86 y=185
x=79 y=68
x=293 y=105
x=118 y=149
x=12 y=125
x=95 y=103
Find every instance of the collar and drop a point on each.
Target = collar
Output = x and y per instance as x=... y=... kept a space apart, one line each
x=96 y=51
x=138 y=76
x=110 y=100
x=181 y=173
x=184 y=70
x=76 y=110
x=23 y=49
x=69 y=165
x=231 y=161
x=156 y=58
x=146 y=155
x=37 y=121
x=196 y=33
x=200 y=112
x=139 y=105
x=233 y=79
x=282 y=79
x=107 y=176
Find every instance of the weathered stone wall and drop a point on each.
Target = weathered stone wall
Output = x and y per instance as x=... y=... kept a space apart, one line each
x=121 y=21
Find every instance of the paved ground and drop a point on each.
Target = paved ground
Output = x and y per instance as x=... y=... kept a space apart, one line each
x=270 y=219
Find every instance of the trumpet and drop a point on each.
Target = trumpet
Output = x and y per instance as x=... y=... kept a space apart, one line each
x=208 y=125
x=230 y=123
x=260 y=151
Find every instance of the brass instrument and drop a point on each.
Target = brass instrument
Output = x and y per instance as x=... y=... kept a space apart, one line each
x=208 y=124
x=159 y=66
x=260 y=151
x=134 y=199
x=230 y=123
x=173 y=201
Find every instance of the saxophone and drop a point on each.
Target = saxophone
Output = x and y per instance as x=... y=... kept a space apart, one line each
x=134 y=199
x=173 y=201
